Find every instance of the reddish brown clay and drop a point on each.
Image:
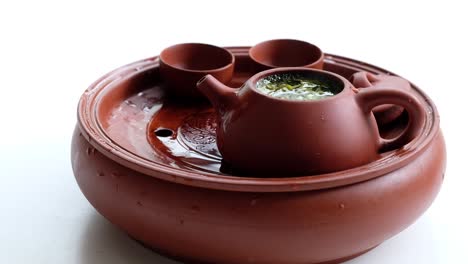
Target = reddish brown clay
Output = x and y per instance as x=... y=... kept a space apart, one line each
x=182 y=65
x=181 y=204
x=286 y=53
x=384 y=114
x=304 y=137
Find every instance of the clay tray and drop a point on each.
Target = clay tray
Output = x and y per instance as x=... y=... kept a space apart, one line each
x=123 y=109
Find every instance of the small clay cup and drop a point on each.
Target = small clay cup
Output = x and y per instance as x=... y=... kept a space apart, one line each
x=286 y=53
x=182 y=65
x=261 y=134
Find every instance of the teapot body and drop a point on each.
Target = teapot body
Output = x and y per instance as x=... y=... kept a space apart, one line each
x=261 y=135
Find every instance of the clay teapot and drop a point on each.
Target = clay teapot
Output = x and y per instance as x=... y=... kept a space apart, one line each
x=261 y=134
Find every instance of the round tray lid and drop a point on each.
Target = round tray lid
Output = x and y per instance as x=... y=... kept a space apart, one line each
x=91 y=125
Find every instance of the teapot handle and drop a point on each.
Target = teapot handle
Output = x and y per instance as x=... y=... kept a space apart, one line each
x=370 y=98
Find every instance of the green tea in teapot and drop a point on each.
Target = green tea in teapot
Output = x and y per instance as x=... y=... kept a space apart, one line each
x=296 y=87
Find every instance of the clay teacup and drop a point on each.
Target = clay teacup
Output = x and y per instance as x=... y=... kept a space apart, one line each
x=286 y=53
x=261 y=134
x=182 y=65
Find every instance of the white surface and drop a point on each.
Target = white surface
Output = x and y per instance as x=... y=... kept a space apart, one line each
x=51 y=51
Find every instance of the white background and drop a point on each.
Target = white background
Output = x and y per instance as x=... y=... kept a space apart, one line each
x=51 y=51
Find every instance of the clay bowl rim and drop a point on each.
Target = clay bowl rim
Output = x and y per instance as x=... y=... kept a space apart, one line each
x=97 y=137
x=207 y=71
x=252 y=83
x=317 y=49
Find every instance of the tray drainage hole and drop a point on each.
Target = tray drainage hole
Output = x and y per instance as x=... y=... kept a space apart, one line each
x=163 y=132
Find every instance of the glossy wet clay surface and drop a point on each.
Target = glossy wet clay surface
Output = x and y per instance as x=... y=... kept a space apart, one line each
x=182 y=134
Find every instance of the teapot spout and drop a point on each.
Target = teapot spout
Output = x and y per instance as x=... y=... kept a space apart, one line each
x=221 y=96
